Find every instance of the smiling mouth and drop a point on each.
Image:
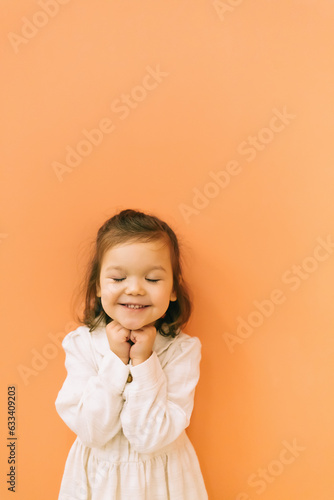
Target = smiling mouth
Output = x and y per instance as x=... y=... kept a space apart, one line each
x=133 y=306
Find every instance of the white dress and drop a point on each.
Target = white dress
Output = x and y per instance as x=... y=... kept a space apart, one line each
x=131 y=441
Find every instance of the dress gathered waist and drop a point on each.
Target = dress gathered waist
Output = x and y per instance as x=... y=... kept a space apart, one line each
x=119 y=450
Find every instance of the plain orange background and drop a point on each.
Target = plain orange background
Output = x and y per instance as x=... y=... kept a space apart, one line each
x=228 y=67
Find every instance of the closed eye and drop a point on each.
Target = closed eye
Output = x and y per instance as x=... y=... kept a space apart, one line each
x=121 y=279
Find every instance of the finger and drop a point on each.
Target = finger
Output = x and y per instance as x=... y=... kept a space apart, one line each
x=133 y=336
x=114 y=327
x=123 y=330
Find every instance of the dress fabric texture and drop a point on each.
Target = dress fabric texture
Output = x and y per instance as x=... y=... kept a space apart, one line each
x=131 y=440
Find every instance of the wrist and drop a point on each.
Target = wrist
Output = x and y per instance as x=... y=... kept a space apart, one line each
x=138 y=361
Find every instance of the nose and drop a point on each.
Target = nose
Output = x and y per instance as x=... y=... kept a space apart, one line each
x=134 y=287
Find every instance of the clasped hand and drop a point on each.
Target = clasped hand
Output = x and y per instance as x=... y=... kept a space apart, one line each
x=139 y=351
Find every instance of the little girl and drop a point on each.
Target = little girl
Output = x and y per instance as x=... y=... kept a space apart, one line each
x=131 y=371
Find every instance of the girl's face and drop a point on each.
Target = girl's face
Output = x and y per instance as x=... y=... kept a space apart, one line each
x=139 y=274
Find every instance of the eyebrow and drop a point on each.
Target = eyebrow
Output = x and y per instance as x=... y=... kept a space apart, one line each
x=160 y=268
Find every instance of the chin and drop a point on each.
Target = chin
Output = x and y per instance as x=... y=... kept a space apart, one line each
x=132 y=324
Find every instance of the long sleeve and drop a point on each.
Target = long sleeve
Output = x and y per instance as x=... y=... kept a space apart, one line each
x=159 y=401
x=91 y=398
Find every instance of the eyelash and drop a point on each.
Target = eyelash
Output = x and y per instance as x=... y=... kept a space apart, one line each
x=118 y=280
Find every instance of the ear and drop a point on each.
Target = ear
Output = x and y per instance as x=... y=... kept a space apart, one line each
x=173 y=296
x=98 y=290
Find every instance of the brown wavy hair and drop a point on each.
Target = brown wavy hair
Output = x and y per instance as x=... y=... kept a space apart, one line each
x=133 y=225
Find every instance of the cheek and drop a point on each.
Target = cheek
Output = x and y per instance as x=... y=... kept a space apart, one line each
x=162 y=296
x=108 y=291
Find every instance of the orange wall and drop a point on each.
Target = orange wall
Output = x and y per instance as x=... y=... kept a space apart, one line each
x=232 y=144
